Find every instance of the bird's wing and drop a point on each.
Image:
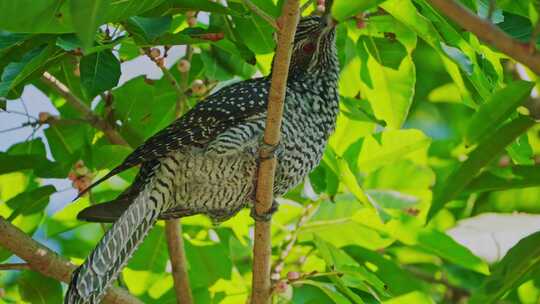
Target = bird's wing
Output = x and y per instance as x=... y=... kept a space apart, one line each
x=220 y=111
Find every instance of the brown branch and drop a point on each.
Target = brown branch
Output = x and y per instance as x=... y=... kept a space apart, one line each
x=110 y=132
x=175 y=242
x=489 y=33
x=14 y=266
x=47 y=262
x=261 y=287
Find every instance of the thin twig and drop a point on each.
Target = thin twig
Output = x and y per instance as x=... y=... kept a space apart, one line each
x=259 y=12
x=15 y=266
x=175 y=242
x=489 y=33
x=306 y=215
x=261 y=287
x=47 y=262
x=180 y=93
x=110 y=132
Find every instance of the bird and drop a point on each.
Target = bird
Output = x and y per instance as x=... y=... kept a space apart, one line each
x=206 y=161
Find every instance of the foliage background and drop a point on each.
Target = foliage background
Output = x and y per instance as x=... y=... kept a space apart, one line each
x=430 y=120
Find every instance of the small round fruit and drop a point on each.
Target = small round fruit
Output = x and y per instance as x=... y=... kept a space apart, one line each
x=192 y=21
x=183 y=66
x=155 y=52
x=198 y=87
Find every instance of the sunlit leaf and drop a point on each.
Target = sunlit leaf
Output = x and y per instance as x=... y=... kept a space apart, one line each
x=39 y=289
x=491 y=114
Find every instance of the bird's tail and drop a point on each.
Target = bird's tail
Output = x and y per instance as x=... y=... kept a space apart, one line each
x=91 y=280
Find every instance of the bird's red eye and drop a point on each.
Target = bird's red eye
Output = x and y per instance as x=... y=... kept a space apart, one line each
x=308 y=48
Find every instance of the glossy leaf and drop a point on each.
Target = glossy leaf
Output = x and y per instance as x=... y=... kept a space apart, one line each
x=99 y=72
x=87 y=15
x=30 y=202
x=502 y=104
x=520 y=177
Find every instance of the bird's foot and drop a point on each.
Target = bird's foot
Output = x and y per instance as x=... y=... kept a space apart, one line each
x=266 y=216
x=267 y=151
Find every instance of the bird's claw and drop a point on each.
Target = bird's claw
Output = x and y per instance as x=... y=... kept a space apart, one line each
x=266 y=216
x=267 y=151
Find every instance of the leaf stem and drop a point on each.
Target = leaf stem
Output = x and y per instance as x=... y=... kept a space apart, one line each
x=259 y=12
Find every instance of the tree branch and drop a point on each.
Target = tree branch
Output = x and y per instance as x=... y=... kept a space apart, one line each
x=49 y=263
x=14 y=266
x=175 y=242
x=489 y=33
x=110 y=132
x=261 y=287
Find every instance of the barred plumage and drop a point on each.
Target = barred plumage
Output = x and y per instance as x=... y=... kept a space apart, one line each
x=206 y=161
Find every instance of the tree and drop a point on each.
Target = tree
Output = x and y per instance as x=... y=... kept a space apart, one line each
x=437 y=126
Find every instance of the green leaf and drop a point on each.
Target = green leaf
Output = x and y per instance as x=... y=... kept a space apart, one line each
x=393 y=145
x=87 y=15
x=522 y=259
x=30 y=64
x=491 y=114
x=51 y=16
x=68 y=141
x=256 y=33
x=152 y=254
x=348 y=178
x=99 y=72
x=9 y=40
x=144 y=108
x=110 y=156
x=30 y=202
x=41 y=166
x=484 y=153
x=458 y=57
x=38 y=289
x=444 y=246
x=415 y=297
x=342 y=9
x=337 y=224
x=329 y=289
x=32 y=16
x=389 y=53
x=354 y=275
x=390 y=91
x=520 y=177
x=520 y=151
x=208 y=263
x=392 y=199
x=193 y=5
x=145 y=30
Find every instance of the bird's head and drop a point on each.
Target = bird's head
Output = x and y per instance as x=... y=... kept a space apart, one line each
x=314 y=48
